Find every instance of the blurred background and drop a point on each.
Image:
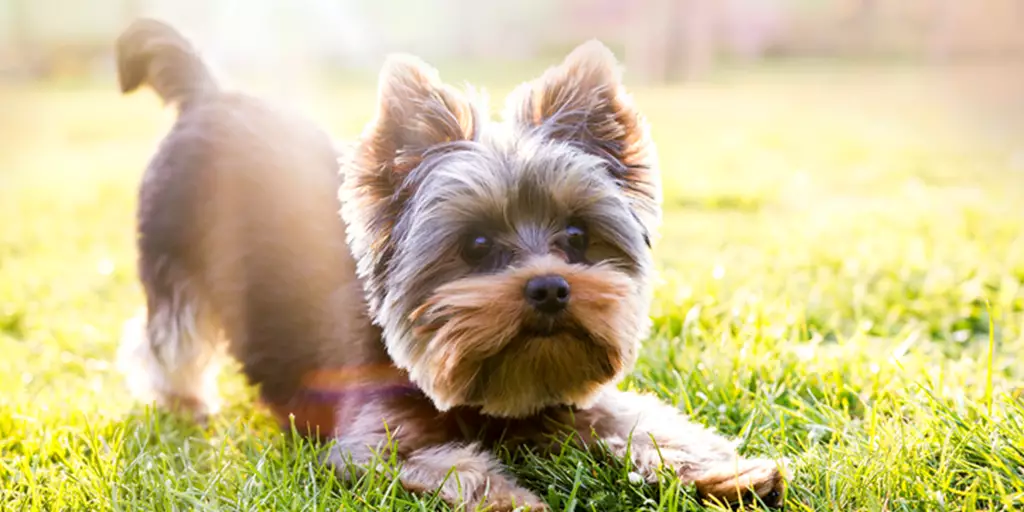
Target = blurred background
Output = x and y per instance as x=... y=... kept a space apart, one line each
x=972 y=50
x=661 y=39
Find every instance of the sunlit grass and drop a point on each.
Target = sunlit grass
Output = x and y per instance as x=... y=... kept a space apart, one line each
x=842 y=284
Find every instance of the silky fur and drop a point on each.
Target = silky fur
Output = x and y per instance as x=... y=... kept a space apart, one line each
x=378 y=333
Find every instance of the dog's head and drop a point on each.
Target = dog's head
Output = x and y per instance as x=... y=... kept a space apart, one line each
x=508 y=263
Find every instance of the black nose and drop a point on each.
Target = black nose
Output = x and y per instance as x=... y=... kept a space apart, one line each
x=548 y=294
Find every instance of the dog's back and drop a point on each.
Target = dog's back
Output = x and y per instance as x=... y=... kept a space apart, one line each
x=239 y=233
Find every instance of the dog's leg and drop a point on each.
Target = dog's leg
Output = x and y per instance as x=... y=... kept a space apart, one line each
x=173 y=353
x=463 y=474
x=656 y=435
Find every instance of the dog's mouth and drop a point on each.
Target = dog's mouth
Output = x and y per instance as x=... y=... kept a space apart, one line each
x=542 y=365
x=562 y=325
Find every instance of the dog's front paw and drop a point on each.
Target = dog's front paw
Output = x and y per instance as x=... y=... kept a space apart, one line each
x=743 y=482
x=511 y=503
x=507 y=499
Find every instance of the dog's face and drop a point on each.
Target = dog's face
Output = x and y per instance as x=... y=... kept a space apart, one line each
x=508 y=263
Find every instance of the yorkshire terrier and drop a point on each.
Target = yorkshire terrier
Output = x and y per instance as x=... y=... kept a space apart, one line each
x=489 y=285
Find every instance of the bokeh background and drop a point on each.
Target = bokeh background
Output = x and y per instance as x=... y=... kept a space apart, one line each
x=967 y=57
x=842 y=260
x=661 y=39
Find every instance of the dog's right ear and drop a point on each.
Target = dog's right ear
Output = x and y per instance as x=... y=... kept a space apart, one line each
x=416 y=114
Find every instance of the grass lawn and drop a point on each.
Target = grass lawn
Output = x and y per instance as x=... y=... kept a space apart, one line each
x=842 y=284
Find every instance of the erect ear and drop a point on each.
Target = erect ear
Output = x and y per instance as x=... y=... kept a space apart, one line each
x=416 y=114
x=415 y=111
x=583 y=102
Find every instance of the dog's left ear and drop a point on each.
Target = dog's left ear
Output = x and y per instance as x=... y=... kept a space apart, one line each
x=583 y=102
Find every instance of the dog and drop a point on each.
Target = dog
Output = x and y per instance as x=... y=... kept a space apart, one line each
x=486 y=283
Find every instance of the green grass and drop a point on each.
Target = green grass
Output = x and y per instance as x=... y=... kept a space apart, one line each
x=842 y=284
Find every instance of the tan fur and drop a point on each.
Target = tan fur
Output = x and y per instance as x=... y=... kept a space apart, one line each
x=477 y=351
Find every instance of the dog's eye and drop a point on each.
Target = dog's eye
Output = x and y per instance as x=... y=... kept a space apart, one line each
x=576 y=237
x=477 y=247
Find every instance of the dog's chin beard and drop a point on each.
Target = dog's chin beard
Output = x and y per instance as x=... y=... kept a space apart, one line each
x=540 y=364
x=538 y=368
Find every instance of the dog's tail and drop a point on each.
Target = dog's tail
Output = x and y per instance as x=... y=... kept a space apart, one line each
x=152 y=52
